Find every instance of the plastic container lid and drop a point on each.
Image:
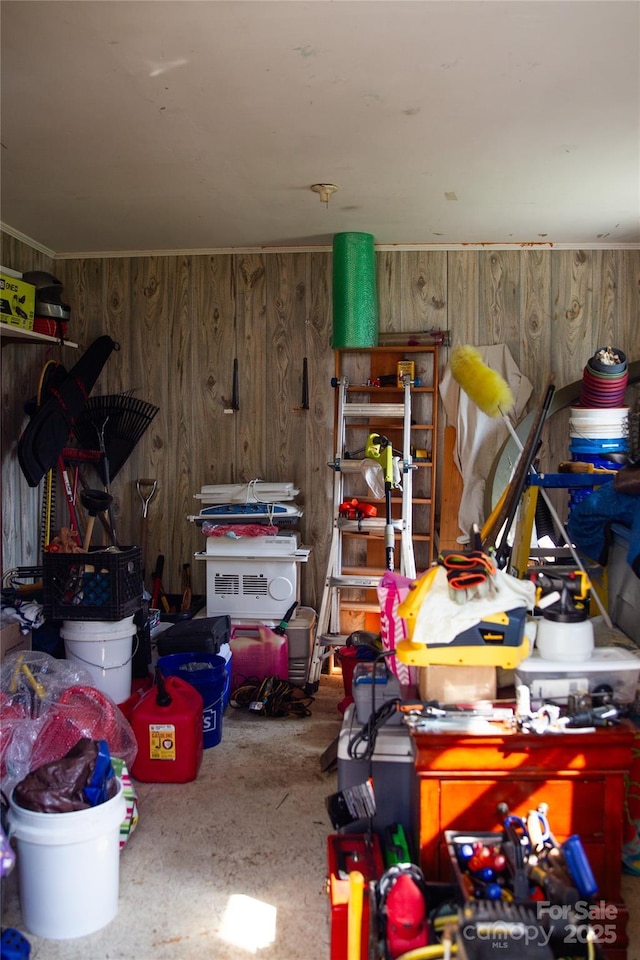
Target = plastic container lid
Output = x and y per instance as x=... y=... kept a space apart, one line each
x=616 y=658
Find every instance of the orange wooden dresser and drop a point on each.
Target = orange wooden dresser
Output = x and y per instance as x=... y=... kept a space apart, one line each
x=462 y=778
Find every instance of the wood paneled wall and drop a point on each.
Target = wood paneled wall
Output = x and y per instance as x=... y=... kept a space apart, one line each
x=181 y=320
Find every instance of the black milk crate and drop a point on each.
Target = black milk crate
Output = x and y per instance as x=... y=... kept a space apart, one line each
x=103 y=584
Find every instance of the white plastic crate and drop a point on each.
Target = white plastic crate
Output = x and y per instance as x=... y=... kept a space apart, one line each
x=612 y=667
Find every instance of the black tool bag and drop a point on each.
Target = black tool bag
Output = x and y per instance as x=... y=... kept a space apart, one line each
x=198 y=635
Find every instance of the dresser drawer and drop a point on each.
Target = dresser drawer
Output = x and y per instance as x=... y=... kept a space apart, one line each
x=574 y=806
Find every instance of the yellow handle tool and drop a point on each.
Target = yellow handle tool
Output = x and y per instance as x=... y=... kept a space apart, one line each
x=354 y=915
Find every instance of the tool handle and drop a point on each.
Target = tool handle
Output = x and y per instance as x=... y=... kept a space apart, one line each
x=282 y=626
x=186 y=588
x=354 y=915
x=89 y=531
x=157 y=581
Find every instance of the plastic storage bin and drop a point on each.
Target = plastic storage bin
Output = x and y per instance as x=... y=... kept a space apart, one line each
x=609 y=667
x=98 y=585
x=300 y=636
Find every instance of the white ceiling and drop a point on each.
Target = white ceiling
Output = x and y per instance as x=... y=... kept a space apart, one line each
x=150 y=125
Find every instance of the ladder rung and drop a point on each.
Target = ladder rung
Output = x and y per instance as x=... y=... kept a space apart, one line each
x=375 y=524
x=354 y=581
x=374 y=411
x=361 y=606
x=333 y=640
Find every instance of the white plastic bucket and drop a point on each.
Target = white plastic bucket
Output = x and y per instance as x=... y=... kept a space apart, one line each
x=68 y=867
x=105 y=648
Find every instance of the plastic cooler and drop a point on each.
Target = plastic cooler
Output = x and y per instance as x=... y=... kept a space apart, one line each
x=392 y=767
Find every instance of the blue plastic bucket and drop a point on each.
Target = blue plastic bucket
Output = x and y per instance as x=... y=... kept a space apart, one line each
x=211 y=678
x=605 y=445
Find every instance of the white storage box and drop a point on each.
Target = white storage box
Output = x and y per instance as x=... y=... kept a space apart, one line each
x=612 y=667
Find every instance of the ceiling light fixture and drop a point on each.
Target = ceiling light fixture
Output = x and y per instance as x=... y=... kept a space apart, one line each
x=325 y=190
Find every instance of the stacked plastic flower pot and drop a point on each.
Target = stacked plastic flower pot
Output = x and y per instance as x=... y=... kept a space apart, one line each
x=599 y=425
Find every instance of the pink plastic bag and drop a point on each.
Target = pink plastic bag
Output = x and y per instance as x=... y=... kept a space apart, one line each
x=392 y=590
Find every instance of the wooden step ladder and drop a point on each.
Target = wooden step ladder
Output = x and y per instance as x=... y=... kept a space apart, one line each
x=340 y=578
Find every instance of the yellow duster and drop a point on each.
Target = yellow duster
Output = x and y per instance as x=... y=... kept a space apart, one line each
x=488 y=390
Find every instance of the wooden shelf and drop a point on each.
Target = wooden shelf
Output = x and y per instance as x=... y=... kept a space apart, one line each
x=11 y=334
x=360 y=366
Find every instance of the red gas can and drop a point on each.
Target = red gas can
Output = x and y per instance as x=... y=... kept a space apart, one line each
x=167 y=722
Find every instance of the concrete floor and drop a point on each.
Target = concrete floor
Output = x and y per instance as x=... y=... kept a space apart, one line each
x=233 y=865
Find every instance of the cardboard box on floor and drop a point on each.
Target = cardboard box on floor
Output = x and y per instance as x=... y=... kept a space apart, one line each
x=456 y=684
x=12 y=639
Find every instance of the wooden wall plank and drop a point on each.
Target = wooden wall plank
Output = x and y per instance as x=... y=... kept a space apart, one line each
x=499 y=298
x=318 y=480
x=252 y=351
x=423 y=291
x=285 y=433
x=535 y=317
x=389 y=285
x=214 y=348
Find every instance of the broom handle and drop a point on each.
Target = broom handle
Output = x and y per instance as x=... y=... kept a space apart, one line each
x=559 y=525
x=517 y=484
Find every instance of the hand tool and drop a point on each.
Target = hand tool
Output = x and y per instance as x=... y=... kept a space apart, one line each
x=305 y=385
x=147 y=490
x=281 y=629
x=380 y=449
x=158 y=595
x=186 y=588
x=235 y=394
x=107 y=479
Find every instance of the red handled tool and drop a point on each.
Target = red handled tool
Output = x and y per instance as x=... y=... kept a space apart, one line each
x=158 y=595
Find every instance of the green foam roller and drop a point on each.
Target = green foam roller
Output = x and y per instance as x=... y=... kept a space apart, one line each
x=355 y=293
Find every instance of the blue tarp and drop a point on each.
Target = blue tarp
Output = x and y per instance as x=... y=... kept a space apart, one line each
x=590 y=522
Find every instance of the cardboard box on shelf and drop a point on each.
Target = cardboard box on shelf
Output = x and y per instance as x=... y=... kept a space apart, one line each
x=406 y=368
x=12 y=639
x=17 y=302
x=456 y=684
